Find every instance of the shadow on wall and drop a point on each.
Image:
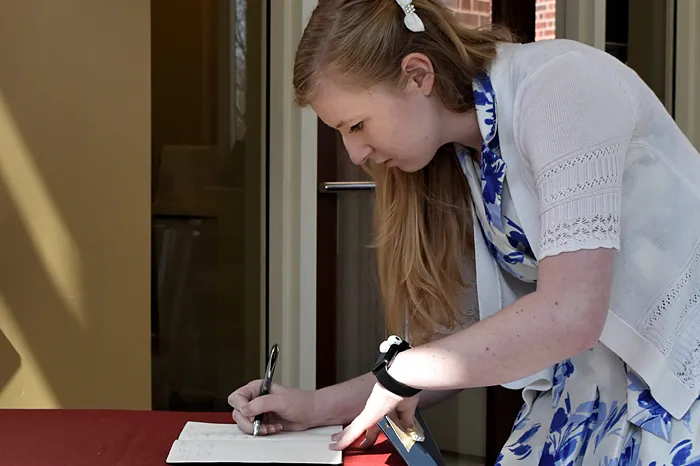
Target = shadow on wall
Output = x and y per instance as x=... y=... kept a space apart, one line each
x=35 y=317
x=10 y=361
x=74 y=205
x=41 y=277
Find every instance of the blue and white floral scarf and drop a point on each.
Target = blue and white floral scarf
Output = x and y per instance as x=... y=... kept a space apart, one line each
x=505 y=238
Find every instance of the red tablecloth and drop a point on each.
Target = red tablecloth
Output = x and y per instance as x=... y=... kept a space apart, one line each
x=117 y=438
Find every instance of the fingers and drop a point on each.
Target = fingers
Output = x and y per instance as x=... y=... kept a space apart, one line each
x=265 y=404
x=406 y=412
x=269 y=429
x=247 y=401
x=380 y=403
x=243 y=415
x=245 y=424
x=244 y=394
x=368 y=418
x=338 y=435
x=370 y=438
x=249 y=392
x=376 y=407
x=350 y=434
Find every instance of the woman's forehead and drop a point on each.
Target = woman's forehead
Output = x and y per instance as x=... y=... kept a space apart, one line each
x=348 y=94
x=338 y=105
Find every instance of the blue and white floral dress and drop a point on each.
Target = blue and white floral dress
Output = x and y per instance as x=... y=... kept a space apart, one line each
x=598 y=411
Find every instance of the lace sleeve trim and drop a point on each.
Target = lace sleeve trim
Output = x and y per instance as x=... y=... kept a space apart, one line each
x=591 y=232
x=580 y=200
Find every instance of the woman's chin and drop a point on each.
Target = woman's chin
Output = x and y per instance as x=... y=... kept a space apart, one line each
x=405 y=165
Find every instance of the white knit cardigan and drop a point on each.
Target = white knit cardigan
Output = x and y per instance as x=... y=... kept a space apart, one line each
x=594 y=160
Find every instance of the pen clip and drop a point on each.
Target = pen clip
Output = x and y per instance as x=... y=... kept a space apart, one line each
x=271 y=363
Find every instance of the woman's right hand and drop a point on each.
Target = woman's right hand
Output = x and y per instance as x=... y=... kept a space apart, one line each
x=285 y=408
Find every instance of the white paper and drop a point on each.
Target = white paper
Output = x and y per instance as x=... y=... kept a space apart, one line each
x=201 y=442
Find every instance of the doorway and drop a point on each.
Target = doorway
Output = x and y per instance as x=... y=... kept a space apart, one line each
x=208 y=80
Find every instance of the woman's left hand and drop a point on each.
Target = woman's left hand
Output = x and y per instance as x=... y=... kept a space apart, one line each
x=380 y=403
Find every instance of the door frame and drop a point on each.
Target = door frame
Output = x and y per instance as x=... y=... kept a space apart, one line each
x=288 y=314
x=582 y=21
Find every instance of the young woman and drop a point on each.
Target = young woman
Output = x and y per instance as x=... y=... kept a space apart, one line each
x=555 y=174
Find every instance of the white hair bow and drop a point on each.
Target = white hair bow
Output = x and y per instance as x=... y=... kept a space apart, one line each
x=411 y=20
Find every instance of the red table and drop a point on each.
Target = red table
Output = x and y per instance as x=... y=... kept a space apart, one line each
x=117 y=438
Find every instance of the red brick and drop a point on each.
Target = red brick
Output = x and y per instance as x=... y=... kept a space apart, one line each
x=545 y=19
x=482 y=6
x=465 y=5
x=453 y=4
x=471 y=13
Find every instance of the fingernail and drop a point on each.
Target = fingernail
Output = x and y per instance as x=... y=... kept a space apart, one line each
x=364 y=444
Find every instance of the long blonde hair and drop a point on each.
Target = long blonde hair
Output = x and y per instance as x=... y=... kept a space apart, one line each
x=422 y=220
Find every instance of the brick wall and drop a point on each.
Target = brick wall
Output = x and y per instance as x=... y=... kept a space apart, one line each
x=545 y=18
x=475 y=13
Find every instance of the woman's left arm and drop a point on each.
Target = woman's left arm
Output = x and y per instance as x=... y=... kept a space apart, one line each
x=574 y=119
x=563 y=317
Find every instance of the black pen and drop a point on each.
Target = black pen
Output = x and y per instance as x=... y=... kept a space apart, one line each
x=265 y=387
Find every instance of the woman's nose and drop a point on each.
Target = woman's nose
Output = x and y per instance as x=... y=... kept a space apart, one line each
x=359 y=155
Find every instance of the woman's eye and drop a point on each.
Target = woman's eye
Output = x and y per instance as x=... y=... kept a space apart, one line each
x=356 y=128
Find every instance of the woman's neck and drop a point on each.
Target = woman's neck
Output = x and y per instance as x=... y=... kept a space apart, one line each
x=461 y=128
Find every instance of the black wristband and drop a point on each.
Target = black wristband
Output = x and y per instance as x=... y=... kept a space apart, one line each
x=393 y=346
x=393 y=385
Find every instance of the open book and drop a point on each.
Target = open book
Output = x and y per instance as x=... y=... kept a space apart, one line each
x=224 y=443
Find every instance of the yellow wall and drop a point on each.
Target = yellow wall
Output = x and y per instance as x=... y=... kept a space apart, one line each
x=74 y=203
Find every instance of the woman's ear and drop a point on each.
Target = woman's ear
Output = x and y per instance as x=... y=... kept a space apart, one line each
x=418 y=73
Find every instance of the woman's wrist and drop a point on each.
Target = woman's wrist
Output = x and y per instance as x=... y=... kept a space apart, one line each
x=323 y=411
x=400 y=368
x=340 y=403
x=316 y=416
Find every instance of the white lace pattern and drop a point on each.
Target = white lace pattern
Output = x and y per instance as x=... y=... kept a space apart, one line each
x=580 y=200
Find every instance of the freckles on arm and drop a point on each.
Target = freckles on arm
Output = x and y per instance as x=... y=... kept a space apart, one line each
x=563 y=317
x=580 y=283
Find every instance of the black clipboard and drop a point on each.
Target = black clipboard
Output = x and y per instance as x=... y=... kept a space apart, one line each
x=417 y=448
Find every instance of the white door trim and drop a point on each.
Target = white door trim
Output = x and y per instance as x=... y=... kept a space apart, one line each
x=582 y=21
x=292 y=207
